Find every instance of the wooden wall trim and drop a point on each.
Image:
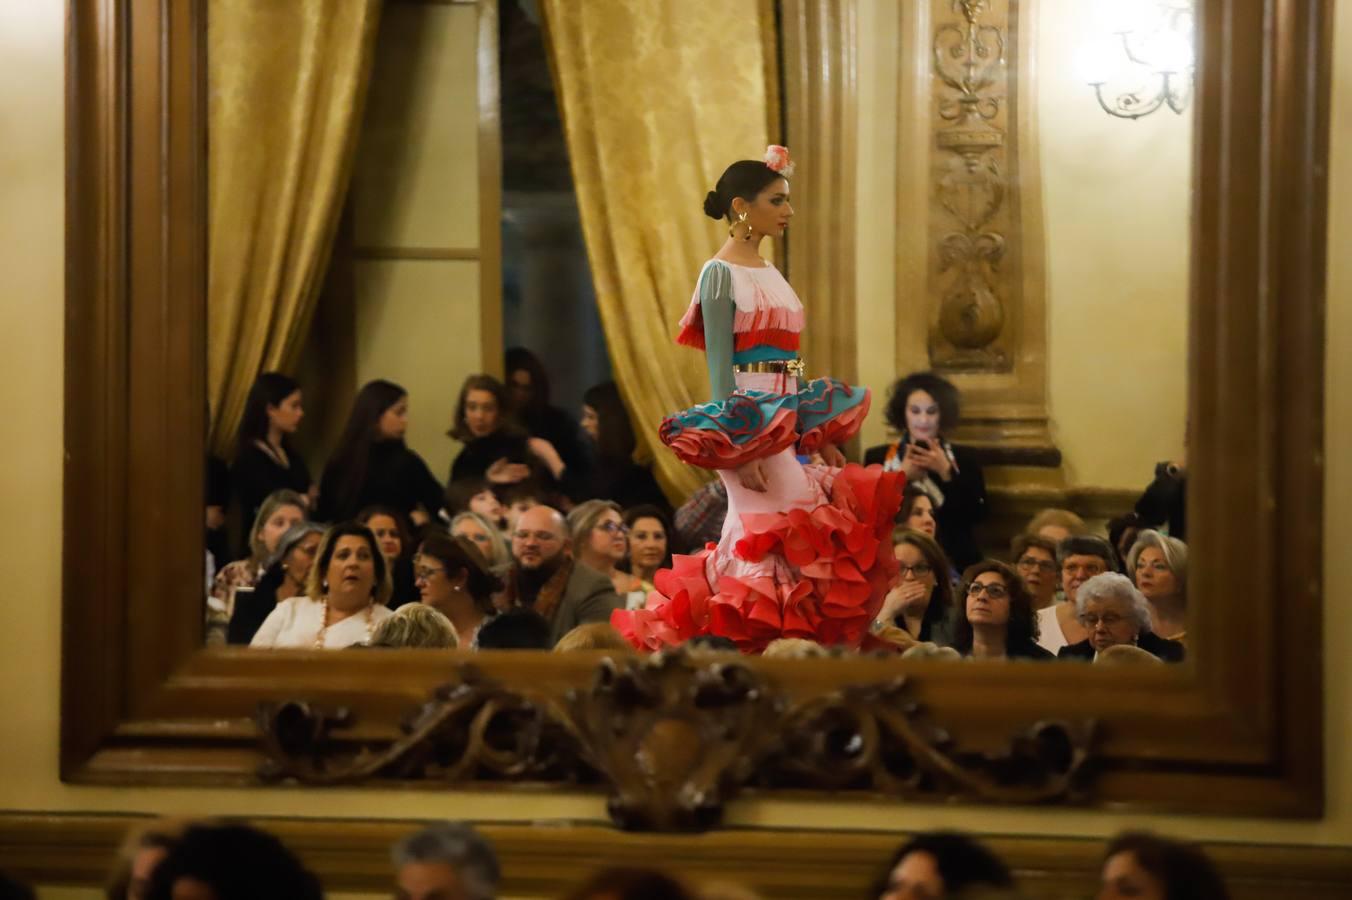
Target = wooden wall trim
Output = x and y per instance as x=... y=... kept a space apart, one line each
x=353 y=855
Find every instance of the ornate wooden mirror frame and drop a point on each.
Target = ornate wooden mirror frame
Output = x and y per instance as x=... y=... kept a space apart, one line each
x=1237 y=731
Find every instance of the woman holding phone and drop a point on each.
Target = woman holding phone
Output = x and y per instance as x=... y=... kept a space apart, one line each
x=922 y=409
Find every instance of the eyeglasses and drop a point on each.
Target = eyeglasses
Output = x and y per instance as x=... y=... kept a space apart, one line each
x=427 y=573
x=543 y=537
x=613 y=527
x=919 y=570
x=994 y=591
x=1109 y=620
x=1032 y=562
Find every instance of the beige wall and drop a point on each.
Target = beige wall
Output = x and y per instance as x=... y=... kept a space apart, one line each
x=31 y=371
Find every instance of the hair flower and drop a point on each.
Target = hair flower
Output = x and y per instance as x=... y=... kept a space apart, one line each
x=777 y=158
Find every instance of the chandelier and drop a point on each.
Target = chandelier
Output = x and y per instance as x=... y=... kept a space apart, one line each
x=1148 y=62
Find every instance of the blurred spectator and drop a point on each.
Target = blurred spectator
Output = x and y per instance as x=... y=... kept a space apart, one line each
x=231 y=862
x=286 y=575
x=1164 y=503
x=940 y=864
x=145 y=847
x=921 y=602
x=996 y=621
x=923 y=409
x=1079 y=557
x=612 y=473
x=446 y=861
x=490 y=541
x=1122 y=533
x=495 y=448
x=1114 y=613
x=371 y=465
x=475 y=495
x=593 y=636
x=516 y=629
x=631 y=884
x=1158 y=564
x=649 y=543
x=544 y=577
x=396 y=545
x=529 y=404
x=1035 y=558
x=917 y=511
x=601 y=542
x=415 y=626
x=265 y=459
x=1056 y=524
x=699 y=521
x=1150 y=867
x=280 y=511
x=454 y=578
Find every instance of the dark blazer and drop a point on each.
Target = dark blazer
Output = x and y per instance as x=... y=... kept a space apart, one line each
x=395 y=477
x=1165 y=649
x=964 y=504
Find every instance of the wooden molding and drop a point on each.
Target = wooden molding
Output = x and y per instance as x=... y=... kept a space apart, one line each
x=1238 y=730
x=353 y=855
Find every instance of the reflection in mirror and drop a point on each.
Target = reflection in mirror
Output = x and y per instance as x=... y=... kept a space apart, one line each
x=418 y=438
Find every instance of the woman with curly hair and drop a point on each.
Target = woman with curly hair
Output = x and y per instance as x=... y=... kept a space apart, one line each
x=996 y=618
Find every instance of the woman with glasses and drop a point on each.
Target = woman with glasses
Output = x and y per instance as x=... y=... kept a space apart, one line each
x=920 y=601
x=1035 y=559
x=600 y=542
x=1115 y=613
x=996 y=619
x=453 y=578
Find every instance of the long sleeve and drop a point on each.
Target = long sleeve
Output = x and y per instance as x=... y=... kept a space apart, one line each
x=715 y=297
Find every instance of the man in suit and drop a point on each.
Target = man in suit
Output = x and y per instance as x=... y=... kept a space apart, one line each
x=544 y=576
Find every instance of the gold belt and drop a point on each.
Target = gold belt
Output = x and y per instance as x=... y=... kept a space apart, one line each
x=794 y=367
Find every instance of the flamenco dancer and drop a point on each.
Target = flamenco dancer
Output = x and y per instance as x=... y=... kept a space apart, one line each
x=805 y=550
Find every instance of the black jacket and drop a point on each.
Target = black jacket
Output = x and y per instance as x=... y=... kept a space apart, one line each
x=256 y=474
x=964 y=504
x=1165 y=649
x=1165 y=502
x=395 y=477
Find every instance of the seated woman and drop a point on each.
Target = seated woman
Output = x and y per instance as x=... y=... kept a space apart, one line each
x=453 y=578
x=344 y=597
x=278 y=512
x=494 y=448
x=415 y=627
x=396 y=545
x=1138 y=864
x=265 y=460
x=1114 y=612
x=372 y=466
x=491 y=542
x=941 y=864
x=600 y=542
x=1035 y=559
x=922 y=600
x=286 y=575
x=649 y=543
x=612 y=473
x=996 y=621
x=922 y=408
x=1159 y=566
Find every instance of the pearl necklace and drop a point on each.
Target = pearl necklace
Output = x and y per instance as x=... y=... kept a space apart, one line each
x=324 y=629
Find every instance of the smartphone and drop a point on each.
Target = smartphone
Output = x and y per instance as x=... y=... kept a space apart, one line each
x=923 y=444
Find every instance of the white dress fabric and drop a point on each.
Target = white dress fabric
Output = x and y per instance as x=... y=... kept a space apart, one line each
x=1050 y=636
x=296 y=622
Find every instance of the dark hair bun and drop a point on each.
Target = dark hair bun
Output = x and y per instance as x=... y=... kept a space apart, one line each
x=713 y=206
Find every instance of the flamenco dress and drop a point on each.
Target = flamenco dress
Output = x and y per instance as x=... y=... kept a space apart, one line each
x=811 y=556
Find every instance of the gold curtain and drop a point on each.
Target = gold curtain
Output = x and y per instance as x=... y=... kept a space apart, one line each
x=286 y=84
x=658 y=97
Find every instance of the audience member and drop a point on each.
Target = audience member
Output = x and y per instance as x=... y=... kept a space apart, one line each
x=649 y=543
x=396 y=545
x=917 y=511
x=1126 y=655
x=415 y=626
x=231 y=862
x=926 y=650
x=445 y=861
x=529 y=405
x=922 y=408
x=1164 y=502
x=1150 y=867
x=286 y=575
x=494 y=448
x=344 y=598
x=144 y=848
x=265 y=460
x=1079 y=558
x=1114 y=612
x=794 y=648
x=601 y=542
x=517 y=498
x=613 y=474
x=921 y=603
x=712 y=643
x=474 y=495
x=1122 y=533
x=278 y=512
x=997 y=619
x=218 y=491
x=520 y=628
x=1056 y=524
x=699 y=520
x=593 y=636
x=455 y=579
x=1159 y=566
x=631 y=884
x=940 y=864
x=1035 y=559
x=371 y=466
x=544 y=577
x=488 y=539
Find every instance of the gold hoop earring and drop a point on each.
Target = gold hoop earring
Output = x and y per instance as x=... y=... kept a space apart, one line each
x=741 y=220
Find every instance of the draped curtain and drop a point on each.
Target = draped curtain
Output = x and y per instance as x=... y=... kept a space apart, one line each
x=657 y=97
x=286 y=86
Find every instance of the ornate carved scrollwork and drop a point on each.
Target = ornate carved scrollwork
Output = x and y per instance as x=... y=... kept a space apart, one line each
x=676 y=738
x=970 y=186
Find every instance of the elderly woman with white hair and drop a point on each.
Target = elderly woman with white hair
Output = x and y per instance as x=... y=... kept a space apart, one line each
x=1114 y=613
x=1159 y=566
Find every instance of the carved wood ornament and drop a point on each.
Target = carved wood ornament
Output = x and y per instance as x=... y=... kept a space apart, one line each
x=675 y=738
